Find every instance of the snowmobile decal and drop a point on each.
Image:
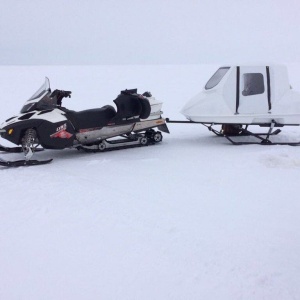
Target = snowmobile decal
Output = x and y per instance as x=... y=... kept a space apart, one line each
x=62 y=127
x=62 y=134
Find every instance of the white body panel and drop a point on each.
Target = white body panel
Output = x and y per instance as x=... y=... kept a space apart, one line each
x=54 y=116
x=155 y=108
x=219 y=103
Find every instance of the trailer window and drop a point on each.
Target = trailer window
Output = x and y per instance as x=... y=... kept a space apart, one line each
x=216 y=78
x=253 y=84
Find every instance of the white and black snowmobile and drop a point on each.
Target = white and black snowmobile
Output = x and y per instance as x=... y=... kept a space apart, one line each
x=44 y=122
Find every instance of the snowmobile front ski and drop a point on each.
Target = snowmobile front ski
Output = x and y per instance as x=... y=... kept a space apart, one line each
x=20 y=163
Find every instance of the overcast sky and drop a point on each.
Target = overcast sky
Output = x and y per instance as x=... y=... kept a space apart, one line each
x=148 y=32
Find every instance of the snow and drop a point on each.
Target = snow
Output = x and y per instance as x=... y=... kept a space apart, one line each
x=191 y=218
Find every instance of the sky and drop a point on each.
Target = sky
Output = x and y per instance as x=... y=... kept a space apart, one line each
x=148 y=32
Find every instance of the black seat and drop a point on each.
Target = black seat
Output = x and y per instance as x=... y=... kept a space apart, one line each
x=131 y=105
x=146 y=108
x=91 y=118
x=128 y=106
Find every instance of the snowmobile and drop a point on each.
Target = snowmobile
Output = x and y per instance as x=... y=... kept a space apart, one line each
x=237 y=97
x=44 y=122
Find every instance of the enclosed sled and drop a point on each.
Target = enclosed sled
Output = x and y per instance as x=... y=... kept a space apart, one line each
x=249 y=95
x=239 y=96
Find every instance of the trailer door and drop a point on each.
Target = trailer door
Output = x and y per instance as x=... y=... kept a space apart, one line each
x=253 y=92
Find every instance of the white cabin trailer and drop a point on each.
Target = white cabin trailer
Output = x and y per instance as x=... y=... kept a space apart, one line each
x=246 y=95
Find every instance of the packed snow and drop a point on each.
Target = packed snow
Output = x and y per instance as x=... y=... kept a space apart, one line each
x=193 y=217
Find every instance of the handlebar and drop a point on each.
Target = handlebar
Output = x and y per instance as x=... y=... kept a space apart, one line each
x=60 y=94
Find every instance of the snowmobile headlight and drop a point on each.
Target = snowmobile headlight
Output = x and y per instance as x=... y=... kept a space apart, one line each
x=10 y=131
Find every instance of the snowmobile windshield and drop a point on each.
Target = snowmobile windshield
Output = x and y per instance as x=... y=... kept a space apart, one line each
x=216 y=78
x=41 y=95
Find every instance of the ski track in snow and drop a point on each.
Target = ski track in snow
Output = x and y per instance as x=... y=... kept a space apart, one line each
x=191 y=218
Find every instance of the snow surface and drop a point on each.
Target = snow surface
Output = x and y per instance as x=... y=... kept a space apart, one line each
x=191 y=218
